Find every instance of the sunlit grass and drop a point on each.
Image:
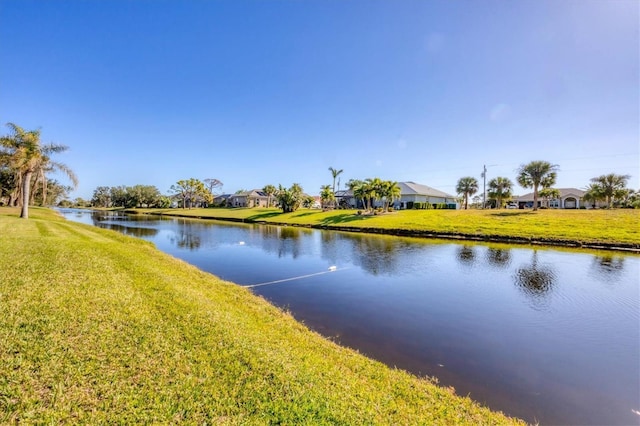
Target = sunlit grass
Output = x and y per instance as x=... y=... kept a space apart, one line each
x=97 y=327
x=581 y=226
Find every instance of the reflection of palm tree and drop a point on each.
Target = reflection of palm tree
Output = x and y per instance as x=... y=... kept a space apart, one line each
x=498 y=257
x=466 y=254
x=535 y=280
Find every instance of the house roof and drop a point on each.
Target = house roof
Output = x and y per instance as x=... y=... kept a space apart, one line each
x=412 y=188
x=252 y=193
x=407 y=188
x=564 y=193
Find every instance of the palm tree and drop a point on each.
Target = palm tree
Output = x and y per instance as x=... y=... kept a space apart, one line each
x=500 y=189
x=326 y=196
x=611 y=186
x=390 y=192
x=549 y=194
x=467 y=186
x=269 y=190
x=28 y=158
x=353 y=184
x=537 y=173
x=334 y=173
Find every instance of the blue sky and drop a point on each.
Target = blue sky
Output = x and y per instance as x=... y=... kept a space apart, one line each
x=276 y=92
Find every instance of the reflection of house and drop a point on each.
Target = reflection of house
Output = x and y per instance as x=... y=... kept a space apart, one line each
x=410 y=193
x=570 y=198
x=253 y=198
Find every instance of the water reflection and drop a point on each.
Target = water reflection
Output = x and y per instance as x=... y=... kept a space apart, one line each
x=186 y=239
x=282 y=241
x=376 y=256
x=498 y=257
x=133 y=231
x=608 y=265
x=536 y=280
x=466 y=255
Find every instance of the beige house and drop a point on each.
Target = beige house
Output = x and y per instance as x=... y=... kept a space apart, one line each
x=570 y=198
x=253 y=198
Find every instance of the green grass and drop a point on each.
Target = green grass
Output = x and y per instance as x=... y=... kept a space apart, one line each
x=607 y=227
x=97 y=327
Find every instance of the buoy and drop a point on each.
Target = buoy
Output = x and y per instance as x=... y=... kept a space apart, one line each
x=332 y=268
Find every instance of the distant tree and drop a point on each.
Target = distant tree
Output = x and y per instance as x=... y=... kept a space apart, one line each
x=50 y=194
x=476 y=201
x=240 y=191
x=549 y=194
x=593 y=194
x=23 y=152
x=327 y=196
x=290 y=199
x=270 y=190
x=353 y=184
x=101 y=197
x=308 y=201
x=611 y=187
x=143 y=195
x=466 y=187
x=500 y=190
x=119 y=196
x=213 y=185
x=334 y=173
x=535 y=174
x=190 y=190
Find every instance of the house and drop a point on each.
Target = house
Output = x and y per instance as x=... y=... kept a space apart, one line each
x=410 y=193
x=570 y=198
x=221 y=200
x=253 y=198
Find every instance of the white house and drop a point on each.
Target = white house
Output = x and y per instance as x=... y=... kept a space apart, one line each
x=410 y=193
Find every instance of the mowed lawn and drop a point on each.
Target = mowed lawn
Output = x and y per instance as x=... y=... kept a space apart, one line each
x=582 y=226
x=97 y=327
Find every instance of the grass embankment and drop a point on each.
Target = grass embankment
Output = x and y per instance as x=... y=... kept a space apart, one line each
x=589 y=228
x=97 y=327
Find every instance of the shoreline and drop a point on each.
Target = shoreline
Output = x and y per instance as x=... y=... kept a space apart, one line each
x=457 y=236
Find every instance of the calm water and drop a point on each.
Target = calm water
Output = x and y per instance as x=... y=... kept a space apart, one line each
x=550 y=336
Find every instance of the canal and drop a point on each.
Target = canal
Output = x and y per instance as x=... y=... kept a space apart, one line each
x=548 y=335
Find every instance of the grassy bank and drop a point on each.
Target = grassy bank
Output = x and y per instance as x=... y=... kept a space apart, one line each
x=97 y=327
x=599 y=228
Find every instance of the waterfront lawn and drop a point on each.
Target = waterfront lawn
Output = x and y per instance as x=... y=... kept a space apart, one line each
x=584 y=226
x=98 y=327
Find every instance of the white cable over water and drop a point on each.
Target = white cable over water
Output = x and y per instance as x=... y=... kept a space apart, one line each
x=331 y=269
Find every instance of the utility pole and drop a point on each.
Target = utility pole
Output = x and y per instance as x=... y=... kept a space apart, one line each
x=484 y=186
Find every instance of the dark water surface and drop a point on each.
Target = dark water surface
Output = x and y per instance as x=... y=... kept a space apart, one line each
x=551 y=336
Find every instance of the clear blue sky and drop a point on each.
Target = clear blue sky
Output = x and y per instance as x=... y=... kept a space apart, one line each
x=269 y=92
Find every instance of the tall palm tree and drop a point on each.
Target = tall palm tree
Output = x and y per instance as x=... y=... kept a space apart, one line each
x=611 y=186
x=467 y=186
x=500 y=189
x=31 y=160
x=535 y=174
x=269 y=190
x=334 y=173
